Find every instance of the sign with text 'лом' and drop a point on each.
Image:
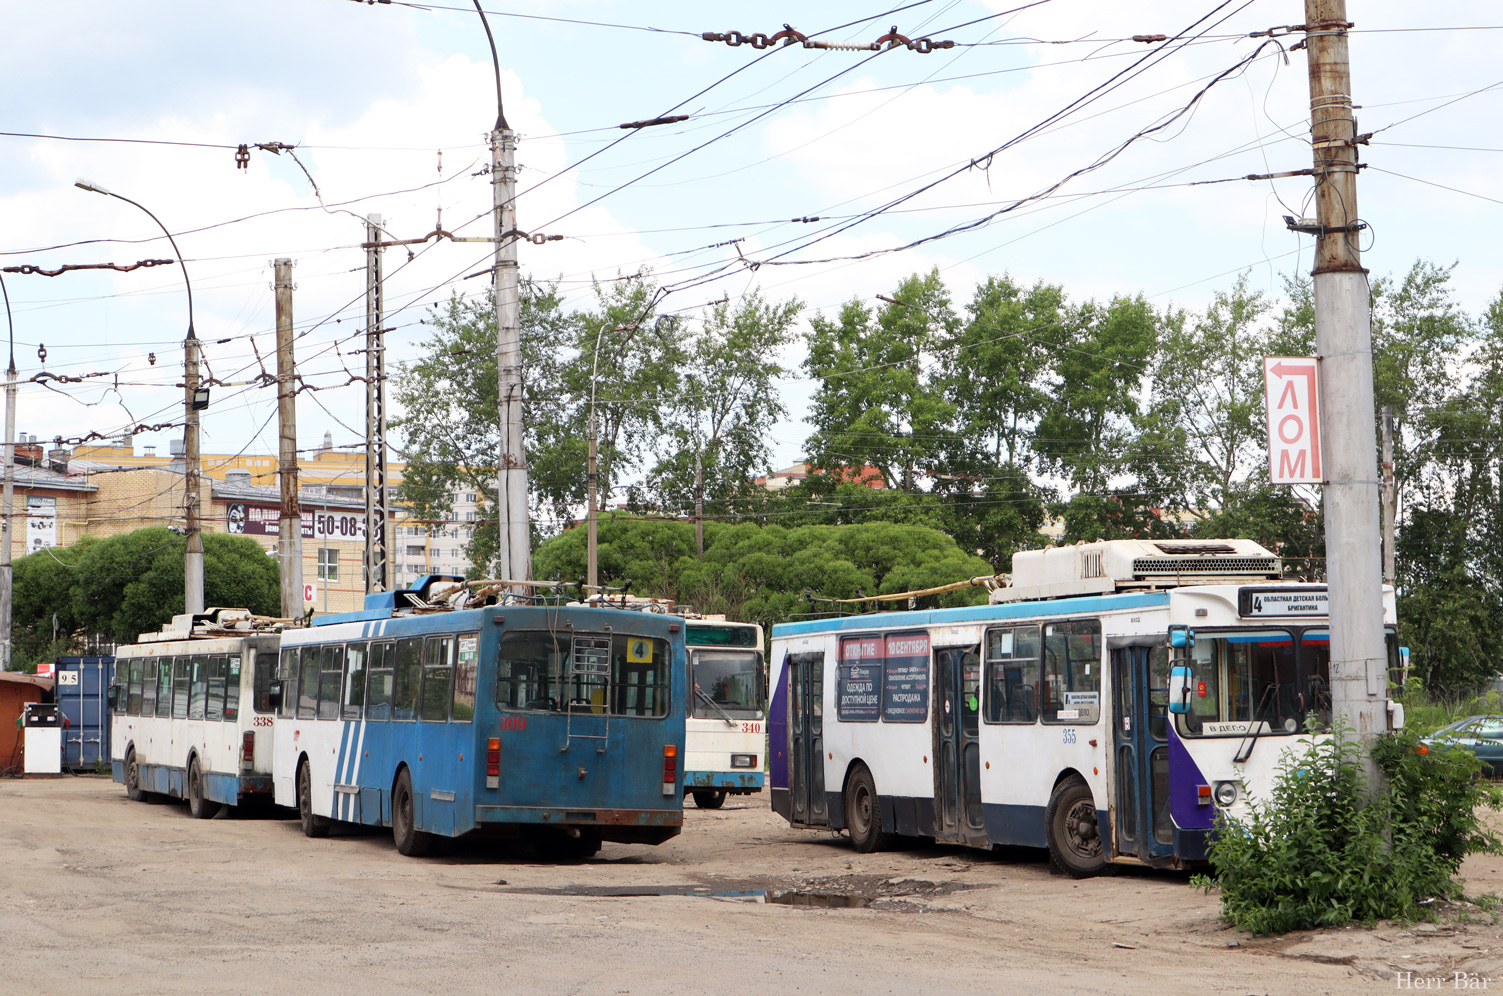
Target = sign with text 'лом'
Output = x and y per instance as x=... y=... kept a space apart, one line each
x=1291 y=387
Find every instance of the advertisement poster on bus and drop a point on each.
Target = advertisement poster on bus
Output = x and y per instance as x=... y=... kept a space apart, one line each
x=263 y=520
x=905 y=678
x=859 y=682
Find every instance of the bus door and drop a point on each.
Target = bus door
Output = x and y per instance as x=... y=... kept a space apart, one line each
x=806 y=759
x=957 y=776
x=1140 y=676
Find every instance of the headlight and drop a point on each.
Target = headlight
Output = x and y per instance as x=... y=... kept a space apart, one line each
x=1226 y=793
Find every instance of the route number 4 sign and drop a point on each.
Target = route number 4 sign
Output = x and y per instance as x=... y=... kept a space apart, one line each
x=1291 y=386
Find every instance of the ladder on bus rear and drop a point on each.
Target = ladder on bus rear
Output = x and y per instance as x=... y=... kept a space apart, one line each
x=590 y=665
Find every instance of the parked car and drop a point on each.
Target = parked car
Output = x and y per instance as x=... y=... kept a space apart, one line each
x=1482 y=735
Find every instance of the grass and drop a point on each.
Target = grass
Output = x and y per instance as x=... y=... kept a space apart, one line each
x=1426 y=713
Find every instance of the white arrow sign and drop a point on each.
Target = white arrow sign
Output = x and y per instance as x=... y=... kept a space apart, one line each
x=1291 y=386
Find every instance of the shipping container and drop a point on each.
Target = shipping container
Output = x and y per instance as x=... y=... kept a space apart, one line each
x=82 y=688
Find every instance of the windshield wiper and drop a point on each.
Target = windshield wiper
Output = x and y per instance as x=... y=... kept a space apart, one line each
x=716 y=706
x=1245 y=749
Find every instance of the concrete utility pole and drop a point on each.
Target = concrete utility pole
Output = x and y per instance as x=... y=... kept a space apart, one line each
x=1390 y=499
x=7 y=575
x=513 y=529
x=193 y=560
x=376 y=550
x=699 y=503
x=290 y=524
x=1343 y=341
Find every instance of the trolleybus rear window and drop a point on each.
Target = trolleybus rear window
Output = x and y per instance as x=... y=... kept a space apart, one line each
x=625 y=675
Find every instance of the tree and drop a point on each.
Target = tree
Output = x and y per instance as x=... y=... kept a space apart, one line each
x=727 y=405
x=132 y=583
x=767 y=574
x=877 y=405
x=42 y=619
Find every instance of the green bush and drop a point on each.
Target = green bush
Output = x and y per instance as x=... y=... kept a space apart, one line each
x=1320 y=850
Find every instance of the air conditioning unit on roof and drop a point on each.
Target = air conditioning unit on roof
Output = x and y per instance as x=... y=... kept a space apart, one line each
x=1117 y=565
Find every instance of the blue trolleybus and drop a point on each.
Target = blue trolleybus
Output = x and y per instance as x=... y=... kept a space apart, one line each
x=563 y=724
x=1111 y=699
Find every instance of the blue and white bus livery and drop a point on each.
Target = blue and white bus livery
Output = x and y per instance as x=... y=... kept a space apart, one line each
x=1043 y=719
x=725 y=743
x=563 y=724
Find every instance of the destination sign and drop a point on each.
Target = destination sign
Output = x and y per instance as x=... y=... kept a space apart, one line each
x=1257 y=603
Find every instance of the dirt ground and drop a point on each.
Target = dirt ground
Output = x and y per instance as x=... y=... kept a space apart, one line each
x=99 y=895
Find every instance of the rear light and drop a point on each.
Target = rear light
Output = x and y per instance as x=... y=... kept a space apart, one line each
x=670 y=769
x=248 y=751
x=493 y=763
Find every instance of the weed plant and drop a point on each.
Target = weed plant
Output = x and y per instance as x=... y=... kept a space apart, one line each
x=1321 y=850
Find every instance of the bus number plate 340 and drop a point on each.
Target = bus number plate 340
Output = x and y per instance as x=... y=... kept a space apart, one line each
x=751 y=727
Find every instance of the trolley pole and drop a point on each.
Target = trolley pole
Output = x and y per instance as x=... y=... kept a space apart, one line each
x=1343 y=341
x=290 y=525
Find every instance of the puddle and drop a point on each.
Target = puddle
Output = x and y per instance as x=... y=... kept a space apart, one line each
x=777 y=897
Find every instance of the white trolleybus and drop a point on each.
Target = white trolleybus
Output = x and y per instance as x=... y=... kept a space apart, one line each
x=725 y=739
x=1106 y=704
x=187 y=706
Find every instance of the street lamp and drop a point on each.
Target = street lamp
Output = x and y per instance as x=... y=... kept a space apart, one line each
x=194 y=400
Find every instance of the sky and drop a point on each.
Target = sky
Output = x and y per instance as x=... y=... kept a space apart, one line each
x=388 y=107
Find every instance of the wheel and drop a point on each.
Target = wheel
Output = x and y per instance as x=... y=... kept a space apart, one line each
x=410 y=840
x=133 y=790
x=1071 y=830
x=199 y=807
x=863 y=814
x=313 y=826
x=709 y=798
x=565 y=843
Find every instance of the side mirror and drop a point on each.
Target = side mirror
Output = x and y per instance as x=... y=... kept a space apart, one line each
x=1181 y=637
x=1179 y=689
x=113 y=698
x=274 y=695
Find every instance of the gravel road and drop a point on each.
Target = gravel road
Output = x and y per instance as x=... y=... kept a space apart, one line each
x=99 y=895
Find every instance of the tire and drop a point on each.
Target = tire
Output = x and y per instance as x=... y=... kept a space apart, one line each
x=193 y=790
x=559 y=844
x=709 y=798
x=1071 y=830
x=133 y=790
x=863 y=814
x=411 y=841
x=313 y=826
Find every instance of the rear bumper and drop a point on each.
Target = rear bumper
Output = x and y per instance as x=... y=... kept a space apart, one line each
x=734 y=782
x=626 y=826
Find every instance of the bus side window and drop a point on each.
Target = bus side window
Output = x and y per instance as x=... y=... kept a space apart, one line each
x=1012 y=669
x=133 y=694
x=164 y=687
x=378 y=685
x=232 y=689
x=307 y=683
x=288 y=674
x=466 y=668
x=198 y=695
x=1072 y=672
x=354 y=682
x=214 y=704
x=406 y=681
x=181 y=679
x=438 y=678
x=149 y=688
x=331 y=680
